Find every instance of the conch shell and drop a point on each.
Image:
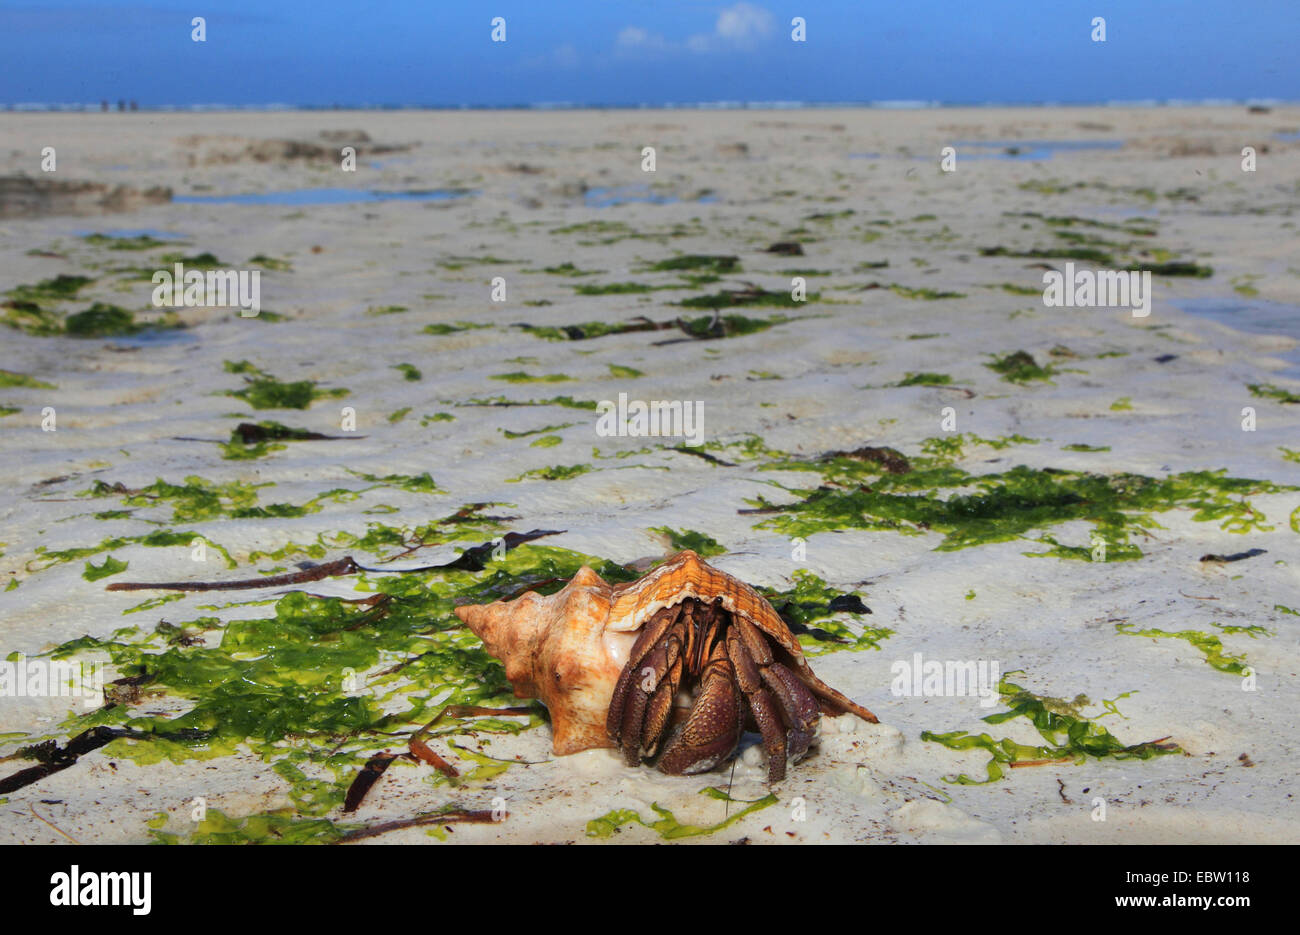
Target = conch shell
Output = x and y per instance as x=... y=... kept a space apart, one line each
x=569 y=649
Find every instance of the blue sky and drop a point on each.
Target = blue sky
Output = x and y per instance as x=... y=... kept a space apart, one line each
x=438 y=52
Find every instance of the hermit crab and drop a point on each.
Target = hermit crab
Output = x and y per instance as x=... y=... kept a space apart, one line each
x=673 y=667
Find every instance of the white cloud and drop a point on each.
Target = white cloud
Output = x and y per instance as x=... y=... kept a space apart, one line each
x=743 y=23
x=740 y=26
x=634 y=37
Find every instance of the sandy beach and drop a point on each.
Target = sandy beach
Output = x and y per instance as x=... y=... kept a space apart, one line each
x=1104 y=507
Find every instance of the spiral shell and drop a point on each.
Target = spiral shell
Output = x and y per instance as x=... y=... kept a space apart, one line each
x=568 y=649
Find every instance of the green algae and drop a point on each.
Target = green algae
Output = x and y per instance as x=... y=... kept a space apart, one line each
x=939 y=497
x=9 y=410
x=137 y=242
x=1123 y=404
x=567 y=402
x=409 y=372
x=61 y=288
x=1208 y=644
x=728 y=298
x=630 y=373
x=110 y=566
x=1179 y=268
x=546 y=428
x=546 y=441
x=568 y=269
x=1020 y=367
x=519 y=376
x=375 y=311
x=1269 y=391
x=264 y=391
x=925 y=379
x=698 y=542
x=556 y=472
x=46 y=557
x=667 y=826
x=1086 y=254
x=269 y=262
x=270 y=435
x=926 y=294
x=414 y=483
x=1069 y=736
x=443 y=327
x=1019 y=290
x=198 y=261
x=1081 y=447
x=698 y=261
x=101 y=320
x=813 y=608
x=9 y=378
x=619 y=288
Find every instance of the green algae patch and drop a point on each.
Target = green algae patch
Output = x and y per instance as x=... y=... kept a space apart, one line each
x=728 y=298
x=1269 y=391
x=695 y=262
x=667 y=826
x=1179 y=268
x=929 y=295
x=110 y=566
x=925 y=379
x=1020 y=367
x=1123 y=404
x=101 y=320
x=698 y=542
x=729 y=326
x=622 y=372
x=557 y=472
x=1209 y=645
x=47 y=558
x=198 y=261
x=937 y=496
x=198 y=500
x=546 y=428
x=519 y=376
x=1069 y=736
x=256 y=440
x=270 y=262
x=568 y=269
x=813 y=610
x=9 y=378
x=9 y=410
x=568 y=402
x=61 y=288
x=409 y=372
x=443 y=327
x=1077 y=446
x=546 y=441
x=263 y=391
x=137 y=242
x=1086 y=254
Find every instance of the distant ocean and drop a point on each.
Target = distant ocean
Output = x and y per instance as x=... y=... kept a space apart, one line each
x=116 y=104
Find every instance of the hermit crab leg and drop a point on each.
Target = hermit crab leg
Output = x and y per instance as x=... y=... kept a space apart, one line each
x=653 y=631
x=712 y=730
x=651 y=672
x=799 y=708
x=659 y=711
x=760 y=703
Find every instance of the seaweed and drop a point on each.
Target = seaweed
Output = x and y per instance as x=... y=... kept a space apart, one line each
x=698 y=261
x=101 y=320
x=1069 y=736
x=698 y=542
x=667 y=826
x=264 y=391
x=1020 y=367
x=1208 y=644
x=1269 y=391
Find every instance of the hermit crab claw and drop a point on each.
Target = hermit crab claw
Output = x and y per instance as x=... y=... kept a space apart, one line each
x=611 y=663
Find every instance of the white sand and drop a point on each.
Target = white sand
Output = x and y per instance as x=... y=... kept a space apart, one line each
x=119 y=409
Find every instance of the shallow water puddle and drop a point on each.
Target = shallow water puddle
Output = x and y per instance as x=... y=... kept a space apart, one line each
x=326 y=196
x=1256 y=316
